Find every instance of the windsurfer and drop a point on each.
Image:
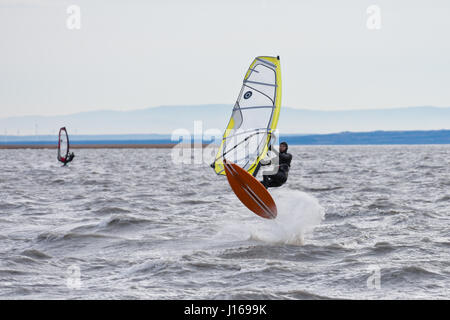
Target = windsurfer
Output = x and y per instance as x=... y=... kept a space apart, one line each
x=278 y=179
x=70 y=157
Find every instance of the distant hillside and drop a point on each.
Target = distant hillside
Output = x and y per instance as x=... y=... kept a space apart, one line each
x=164 y=120
x=396 y=119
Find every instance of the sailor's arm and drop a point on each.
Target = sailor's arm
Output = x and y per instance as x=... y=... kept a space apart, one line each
x=285 y=157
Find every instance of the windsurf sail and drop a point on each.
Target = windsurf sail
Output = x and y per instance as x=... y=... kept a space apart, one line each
x=254 y=117
x=63 y=145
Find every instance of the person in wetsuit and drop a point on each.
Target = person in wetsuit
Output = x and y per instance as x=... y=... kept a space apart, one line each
x=284 y=164
x=69 y=158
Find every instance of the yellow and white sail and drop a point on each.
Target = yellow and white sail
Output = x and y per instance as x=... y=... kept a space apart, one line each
x=254 y=118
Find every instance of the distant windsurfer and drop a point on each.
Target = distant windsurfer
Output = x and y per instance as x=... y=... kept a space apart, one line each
x=64 y=154
x=284 y=164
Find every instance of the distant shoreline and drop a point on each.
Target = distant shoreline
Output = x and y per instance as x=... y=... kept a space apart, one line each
x=416 y=137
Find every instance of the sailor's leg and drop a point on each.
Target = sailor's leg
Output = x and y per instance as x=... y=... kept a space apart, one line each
x=266 y=181
x=277 y=180
x=275 y=183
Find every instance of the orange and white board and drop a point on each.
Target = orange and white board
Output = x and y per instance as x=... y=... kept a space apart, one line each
x=250 y=191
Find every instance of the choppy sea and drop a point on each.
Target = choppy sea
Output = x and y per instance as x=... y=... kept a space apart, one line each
x=354 y=222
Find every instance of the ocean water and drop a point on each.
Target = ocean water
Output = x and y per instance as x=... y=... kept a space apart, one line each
x=355 y=222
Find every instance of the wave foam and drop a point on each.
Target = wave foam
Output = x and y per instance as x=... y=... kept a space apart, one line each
x=298 y=214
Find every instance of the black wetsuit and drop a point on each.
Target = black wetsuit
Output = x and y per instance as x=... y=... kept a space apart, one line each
x=278 y=179
x=69 y=158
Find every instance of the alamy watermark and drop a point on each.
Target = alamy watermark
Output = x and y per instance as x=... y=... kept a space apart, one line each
x=374 y=17
x=374 y=280
x=241 y=146
x=73 y=280
x=73 y=21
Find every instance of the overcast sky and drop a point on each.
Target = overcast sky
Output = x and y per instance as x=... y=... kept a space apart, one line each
x=138 y=54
